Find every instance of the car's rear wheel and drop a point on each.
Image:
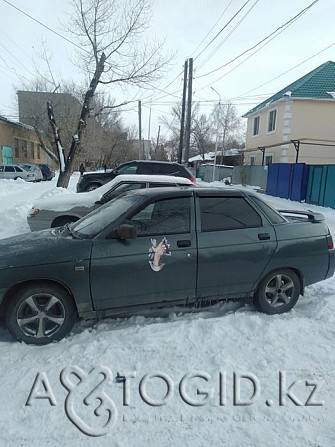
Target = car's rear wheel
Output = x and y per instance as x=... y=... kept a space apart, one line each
x=278 y=292
x=92 y=186
x=40 y=314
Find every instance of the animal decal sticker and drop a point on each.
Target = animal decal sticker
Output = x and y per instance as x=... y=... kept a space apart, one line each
x=156 y=252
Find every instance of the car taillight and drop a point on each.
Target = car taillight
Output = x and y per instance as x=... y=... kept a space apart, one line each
x=330 y=242
x=34 y=211
x=192 y=179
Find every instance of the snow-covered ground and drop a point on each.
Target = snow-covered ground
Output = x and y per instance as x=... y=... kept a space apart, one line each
x=299 y=346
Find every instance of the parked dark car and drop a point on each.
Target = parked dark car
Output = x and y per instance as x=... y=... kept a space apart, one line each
x=159 y=247
x=92 y=180
x=47 y=172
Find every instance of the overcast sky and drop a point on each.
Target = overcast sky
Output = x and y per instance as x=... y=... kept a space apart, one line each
x=187 y=27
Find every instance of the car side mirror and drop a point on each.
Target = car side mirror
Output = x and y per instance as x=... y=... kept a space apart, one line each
x=124 y=231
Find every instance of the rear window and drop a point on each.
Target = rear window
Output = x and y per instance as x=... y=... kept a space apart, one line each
x=274 y=216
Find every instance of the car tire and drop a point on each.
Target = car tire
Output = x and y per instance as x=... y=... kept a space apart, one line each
x=47 y=303
x=16 y=178
x=92 y=186
x=44 y=178
x=278 y=292
x=61 y=221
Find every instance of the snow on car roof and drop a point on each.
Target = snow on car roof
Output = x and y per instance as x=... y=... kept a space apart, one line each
x=64 y=201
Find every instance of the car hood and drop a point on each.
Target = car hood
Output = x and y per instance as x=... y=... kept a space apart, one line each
x=42 y=247
x=67 y=201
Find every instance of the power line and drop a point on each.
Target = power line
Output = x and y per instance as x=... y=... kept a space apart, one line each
x=231 y=1
x=290 y=69
x=222 y=29
x=45 y=26
x=228 y=35
x=282 y=28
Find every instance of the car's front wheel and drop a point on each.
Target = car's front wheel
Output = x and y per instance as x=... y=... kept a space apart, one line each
x=278 y=292
x=92 y=186
x=40 y=314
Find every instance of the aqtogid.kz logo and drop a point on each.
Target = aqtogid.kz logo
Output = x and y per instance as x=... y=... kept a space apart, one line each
x=82 y=396
x=90 y=408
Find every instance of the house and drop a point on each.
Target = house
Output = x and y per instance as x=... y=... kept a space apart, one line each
x=19 y=144
x=296 y=124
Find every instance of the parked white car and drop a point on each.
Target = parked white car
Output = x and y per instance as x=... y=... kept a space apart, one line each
x=33 y=168
x=15 y=172
x=57 y=211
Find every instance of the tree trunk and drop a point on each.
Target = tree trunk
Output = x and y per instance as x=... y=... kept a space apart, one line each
x=67 y=165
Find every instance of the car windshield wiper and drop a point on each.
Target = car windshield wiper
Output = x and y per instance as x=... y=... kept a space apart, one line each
x=68 y=230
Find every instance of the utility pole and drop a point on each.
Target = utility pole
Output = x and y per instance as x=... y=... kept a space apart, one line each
x=189 y=111
x=182 y=119
x=139 y=129
x=159 y=131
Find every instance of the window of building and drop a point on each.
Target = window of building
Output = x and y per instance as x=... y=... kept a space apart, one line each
x=255 y=126
x=253 y=160
x=227 y=213
x=272 y=120
x=32 y=150
x=268 y=160
x=39 y=151
x=24 y=149
x=16 y=148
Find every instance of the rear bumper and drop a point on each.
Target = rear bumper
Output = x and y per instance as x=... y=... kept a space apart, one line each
x=331 y=267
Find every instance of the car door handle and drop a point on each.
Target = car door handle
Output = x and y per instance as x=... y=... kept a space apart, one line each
x=263 y=236
x=184 y=243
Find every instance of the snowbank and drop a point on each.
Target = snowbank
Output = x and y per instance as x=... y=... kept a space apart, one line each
x=228 y=339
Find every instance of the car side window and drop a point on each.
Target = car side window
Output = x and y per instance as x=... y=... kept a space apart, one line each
x=9 y=169
x=148 y=169
x=170 y=170
x=1 y=168
x=17 y=169
x=128 y=169
x=122 y=187
x=160 y=185
x=227 y=213
x=168 y=216
x=274 y=216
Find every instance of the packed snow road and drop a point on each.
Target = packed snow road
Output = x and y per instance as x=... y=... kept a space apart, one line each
x=262 y=380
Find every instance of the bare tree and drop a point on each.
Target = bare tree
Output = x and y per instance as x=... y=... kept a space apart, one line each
x=229 y=124
x=109 y=33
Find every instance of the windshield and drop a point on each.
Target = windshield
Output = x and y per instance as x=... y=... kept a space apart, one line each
x=98 y=220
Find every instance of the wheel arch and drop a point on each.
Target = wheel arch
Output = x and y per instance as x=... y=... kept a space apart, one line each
x=293 y=269
x=16 y=287
x=98 y=183
x=59 y=220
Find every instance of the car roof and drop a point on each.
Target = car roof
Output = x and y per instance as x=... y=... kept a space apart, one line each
x=153 y=162
x=153 y=178
x=198 y=191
